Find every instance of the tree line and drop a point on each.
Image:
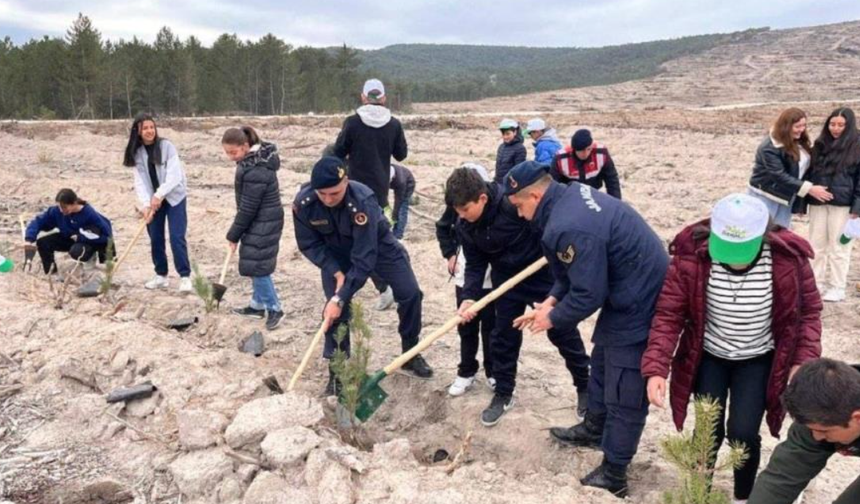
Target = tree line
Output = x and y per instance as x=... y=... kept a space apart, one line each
x=83 y=76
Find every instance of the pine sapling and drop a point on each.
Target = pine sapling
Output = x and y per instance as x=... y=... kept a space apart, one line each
x=696 y=459
x=203 y=288
x=351 y=371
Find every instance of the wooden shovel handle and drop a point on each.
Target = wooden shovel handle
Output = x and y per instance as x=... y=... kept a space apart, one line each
x=307 y=357
x=454 y=321
x=23 y=228
x=226 y=265
x=130 y=246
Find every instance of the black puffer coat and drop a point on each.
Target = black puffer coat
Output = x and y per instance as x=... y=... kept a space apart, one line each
x=260 y=216
x=508 y=156
x=842 y=181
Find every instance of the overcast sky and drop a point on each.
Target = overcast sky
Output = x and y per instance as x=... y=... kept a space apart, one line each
x=373 y=24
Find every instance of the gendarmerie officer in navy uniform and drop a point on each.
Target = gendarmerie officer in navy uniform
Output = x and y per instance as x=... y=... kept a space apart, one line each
x=605 y=257
x=340 y=228
x=492 y=234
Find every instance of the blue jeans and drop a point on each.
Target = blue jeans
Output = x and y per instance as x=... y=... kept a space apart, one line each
x=779 y=213
x=265 y=297
x=401 y=215
x=177 y=222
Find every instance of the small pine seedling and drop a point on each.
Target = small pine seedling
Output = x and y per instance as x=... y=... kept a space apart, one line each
x=696 y=459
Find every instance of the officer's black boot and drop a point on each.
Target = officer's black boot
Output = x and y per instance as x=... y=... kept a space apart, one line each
x=608 y=476
x=333 y=387
x=586 y=434
x=418 y=368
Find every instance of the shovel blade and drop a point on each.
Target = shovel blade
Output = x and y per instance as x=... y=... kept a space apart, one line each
x=218 y=291
x=370 y=396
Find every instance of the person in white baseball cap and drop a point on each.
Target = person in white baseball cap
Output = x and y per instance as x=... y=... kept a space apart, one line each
x=374 y=92
x=741 y=308
x=511 y=151
x=545 y=139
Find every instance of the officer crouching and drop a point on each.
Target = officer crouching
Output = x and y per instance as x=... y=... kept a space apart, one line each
x=605 y=257
x=340 y=228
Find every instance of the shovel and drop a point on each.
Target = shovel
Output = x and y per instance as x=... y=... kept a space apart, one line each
x=130 y=246
x=29 y=249
x=371 y=395
x=307 y=357
x=218 y=289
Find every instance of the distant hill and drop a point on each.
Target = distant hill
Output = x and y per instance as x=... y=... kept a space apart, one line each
x=429 y=72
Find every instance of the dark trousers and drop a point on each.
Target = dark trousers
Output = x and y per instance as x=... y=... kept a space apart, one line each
x=401 y=216
x=50 y=244
x=398 y=274
x=617 y=399
x=479 y=330
x=177 y=223
x=507 y=340
x=746 y=380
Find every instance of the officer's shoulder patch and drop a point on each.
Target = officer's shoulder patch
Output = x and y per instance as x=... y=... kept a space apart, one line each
x=360 y=218
x=568 y=255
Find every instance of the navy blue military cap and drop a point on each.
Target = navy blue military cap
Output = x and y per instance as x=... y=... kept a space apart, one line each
x=327 y=172
x=524 y=175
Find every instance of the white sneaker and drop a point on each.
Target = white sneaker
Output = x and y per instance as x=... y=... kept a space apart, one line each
x=157 y=282
x=460 y=386
x=185 y=284
x=834 y=295
x=386 y=299
x=491 y=384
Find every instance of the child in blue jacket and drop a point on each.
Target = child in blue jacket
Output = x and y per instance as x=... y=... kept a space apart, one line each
x=82 y=231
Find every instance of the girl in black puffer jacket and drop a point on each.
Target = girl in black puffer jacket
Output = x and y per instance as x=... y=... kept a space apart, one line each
x=259 y=218
x=512 y=151
x=835 y=165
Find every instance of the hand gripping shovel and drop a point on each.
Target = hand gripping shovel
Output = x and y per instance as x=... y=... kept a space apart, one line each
x=218 y=289
x=314 y=343
x=371 y=395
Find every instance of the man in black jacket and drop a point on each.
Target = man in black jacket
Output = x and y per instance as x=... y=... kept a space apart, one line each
x=367 y=142
x=492 y=234
x=370 y=138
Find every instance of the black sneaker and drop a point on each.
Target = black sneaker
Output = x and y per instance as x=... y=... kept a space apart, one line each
x=250 y=312
x=333 y=387
x=418 y=368
x=274 y=320
x=497 y=408
x=609 y=477
x=581 y=404
x=586 y=434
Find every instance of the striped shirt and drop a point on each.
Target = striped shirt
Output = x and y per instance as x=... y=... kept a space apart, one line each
x=739 y=310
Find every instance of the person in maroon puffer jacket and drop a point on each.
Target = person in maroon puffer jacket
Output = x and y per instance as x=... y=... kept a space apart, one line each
x=742 y=299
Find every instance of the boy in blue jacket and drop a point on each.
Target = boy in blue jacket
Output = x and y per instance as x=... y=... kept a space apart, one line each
x=82 y=231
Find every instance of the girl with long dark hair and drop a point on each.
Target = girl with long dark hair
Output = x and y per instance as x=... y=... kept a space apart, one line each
x=161 y=188
x=835 y=165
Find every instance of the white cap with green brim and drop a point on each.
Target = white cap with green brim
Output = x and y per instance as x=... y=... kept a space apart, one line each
x=507 y=124
x=738 y=224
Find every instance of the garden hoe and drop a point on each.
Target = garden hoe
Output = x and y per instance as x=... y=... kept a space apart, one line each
x=371 y=395
x=218 y=289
